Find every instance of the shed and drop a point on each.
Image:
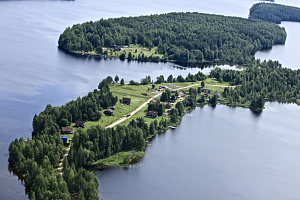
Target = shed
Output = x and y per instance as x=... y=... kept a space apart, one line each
x=127 y=100
x=168 y=105
x=80 y=124
x=64 y=138
x=109 y=112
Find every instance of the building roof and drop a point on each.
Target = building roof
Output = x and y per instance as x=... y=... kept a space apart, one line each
x=66 y=129
x=126 y=99
x=109 y=110
x=80 y=123
x=150 y=112
x=168 y=105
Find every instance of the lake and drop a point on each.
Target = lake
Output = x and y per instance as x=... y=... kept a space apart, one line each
x=216 y=153
x=35 y=73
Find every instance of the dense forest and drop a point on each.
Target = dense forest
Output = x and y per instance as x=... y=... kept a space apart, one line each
x=265 y=81
x=177 y=36
x=274 y=12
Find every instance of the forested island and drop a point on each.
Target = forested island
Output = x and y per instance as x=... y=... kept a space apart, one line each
x=187 y=37
x=275 y=13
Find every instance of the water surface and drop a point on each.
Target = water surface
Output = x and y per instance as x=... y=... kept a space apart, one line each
x=35 y=73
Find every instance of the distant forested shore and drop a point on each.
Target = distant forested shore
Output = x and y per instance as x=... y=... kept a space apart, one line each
x=174 y=37
x=275 y=13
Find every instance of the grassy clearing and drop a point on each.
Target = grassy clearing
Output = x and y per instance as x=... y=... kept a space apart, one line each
x=213 y=81
x=135 y=50
x=120 y=159
x=135 y=92
x=298 y=102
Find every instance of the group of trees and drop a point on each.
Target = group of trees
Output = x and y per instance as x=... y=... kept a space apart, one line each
x=274 y=12
x=178 y=36
x=190 y=78
x=87 y=108
x=259 y=83
x=36 y=159
x=97 y=143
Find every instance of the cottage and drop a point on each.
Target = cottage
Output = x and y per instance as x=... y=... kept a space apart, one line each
x=109 y=112
x=168 y=106
x=127 y=100
x=66 y=130
x=117 y=48
x=152 y=114
x=206 y=90
x=80 y=124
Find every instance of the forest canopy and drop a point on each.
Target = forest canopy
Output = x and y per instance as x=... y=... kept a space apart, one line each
x=178 y=36
x=274 y=12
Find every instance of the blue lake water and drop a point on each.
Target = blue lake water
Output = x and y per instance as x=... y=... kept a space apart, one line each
x=35 y=73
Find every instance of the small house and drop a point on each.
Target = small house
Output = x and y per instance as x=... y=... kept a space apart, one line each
x=209 y=91
x=80 y=124
x=152 y=114
x=117 y=48
x=66 y=130
x=127 y=100
x=109 y=112
x=168 y=105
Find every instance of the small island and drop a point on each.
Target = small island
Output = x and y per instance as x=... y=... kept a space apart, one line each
x=184 y=37
x=275 y=13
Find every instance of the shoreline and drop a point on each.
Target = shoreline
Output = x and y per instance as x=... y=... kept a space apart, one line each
x=189 y=64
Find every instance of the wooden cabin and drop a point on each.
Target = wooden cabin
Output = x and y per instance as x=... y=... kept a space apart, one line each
x=80 y=124
x=152 y=114
x=168 y=106
x=109 y=112
x=66 y=130
x=127 y=100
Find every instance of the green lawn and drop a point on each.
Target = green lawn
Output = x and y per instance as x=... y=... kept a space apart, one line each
x=137 y=98
x=213 y=81
x=120 y=159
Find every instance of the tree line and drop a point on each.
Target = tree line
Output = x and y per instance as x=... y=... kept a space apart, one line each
x=177 y=36
x=275 y=13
